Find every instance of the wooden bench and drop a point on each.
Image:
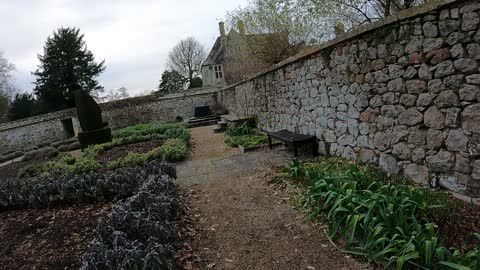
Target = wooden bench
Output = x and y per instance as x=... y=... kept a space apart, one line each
x=294 y=139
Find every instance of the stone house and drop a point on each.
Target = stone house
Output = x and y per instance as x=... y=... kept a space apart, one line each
x=230 y=59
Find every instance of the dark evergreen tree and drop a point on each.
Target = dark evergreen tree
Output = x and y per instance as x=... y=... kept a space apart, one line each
x=23 y=105
x=195 y=83
x=65 y=67
x=172 y=81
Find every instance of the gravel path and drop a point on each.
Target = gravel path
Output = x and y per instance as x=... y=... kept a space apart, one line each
x=237 y=220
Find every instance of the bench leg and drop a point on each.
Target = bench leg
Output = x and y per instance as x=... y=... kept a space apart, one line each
x=314 y=148
x=295 y=150
x=269 y=142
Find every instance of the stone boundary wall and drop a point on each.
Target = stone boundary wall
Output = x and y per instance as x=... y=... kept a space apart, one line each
x=48 y=128
x=149 y=108
x=37 y=130
x=401 y=93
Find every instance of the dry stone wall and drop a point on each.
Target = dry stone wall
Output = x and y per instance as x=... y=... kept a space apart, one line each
x=402 y=94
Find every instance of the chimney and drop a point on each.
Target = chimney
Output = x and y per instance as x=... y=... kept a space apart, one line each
x=241 y=27
x=221 y=25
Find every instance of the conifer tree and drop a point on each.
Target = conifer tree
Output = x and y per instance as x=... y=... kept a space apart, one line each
x=65 y=67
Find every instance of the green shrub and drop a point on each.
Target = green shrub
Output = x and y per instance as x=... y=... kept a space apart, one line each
x=239 y=130
x=130 y=159
x=174 y=150
x=384 y=220
x=147 y=129
x=69 y=164
x=141 y=133
x=246 y=140
x=245 y=135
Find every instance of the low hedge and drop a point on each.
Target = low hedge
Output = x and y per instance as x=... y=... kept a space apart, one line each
x=141 y=232
x=59 y=189
x=169 y=130
x=172 y=150
x=71 y=165
x=142 y=133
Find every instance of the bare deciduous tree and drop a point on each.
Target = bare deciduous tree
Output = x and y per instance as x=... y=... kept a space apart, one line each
x=7 y=88
x=111 y=95
x=187 y=57
x=278 y=29
x=354 y=13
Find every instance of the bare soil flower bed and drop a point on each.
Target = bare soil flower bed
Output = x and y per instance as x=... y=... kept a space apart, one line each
x=11 y=170
x=122 y=151
x=48 y=238
x=458 y=224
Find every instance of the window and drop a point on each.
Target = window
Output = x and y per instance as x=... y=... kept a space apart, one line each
x=218 y=71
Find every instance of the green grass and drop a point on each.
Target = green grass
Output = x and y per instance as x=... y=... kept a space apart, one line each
x=380 y=218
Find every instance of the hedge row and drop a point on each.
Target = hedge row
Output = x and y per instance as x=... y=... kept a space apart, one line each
x=58 y=189
x=140 y=232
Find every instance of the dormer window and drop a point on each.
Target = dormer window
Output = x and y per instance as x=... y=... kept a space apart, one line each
x=218 y=71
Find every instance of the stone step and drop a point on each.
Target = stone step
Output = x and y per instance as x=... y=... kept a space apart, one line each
x=206 y=122
x=202 y=119
x=219 y=129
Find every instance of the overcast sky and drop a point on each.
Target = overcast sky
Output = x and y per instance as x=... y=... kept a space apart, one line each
x=133 y=36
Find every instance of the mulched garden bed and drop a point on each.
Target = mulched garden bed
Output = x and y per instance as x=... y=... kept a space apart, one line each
x=122 y=151
x=48 y=238
x=457 y=223
x=11 y=170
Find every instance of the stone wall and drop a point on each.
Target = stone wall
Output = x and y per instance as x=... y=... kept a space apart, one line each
x=42 y=129
x=48 y=128
x=402 y=93
x=145 y=109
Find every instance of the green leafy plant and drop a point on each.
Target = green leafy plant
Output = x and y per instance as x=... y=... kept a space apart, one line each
x=382 y=219
x=168 y=130
x=295 y=168
x=174 y=150
x=239 y=130
x=246 y=140
x=245 y=135
x=69 y=164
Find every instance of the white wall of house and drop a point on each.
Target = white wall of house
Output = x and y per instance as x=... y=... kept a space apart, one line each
x=213 y=75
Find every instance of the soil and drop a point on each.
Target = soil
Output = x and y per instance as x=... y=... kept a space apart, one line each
x=458 y=225
x=235 y=219
x=122 y=151
x=11 y=170
x=48 y=238
x=206 y=144
x=244 y=223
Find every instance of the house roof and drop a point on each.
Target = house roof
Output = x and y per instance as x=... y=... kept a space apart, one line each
x=216 y=55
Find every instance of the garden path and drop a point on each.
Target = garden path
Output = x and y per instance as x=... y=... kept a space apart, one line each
x=238 y=220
